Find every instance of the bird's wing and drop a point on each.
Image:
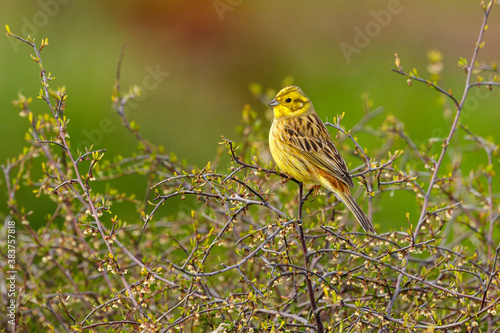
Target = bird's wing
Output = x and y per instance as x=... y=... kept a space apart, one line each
x=309 y=135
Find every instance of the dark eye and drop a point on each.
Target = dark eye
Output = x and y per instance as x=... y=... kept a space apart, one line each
x=288 y=100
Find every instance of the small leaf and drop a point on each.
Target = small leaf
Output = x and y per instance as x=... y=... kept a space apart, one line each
x=8 y=29
x=462 y=62
x=397 y=62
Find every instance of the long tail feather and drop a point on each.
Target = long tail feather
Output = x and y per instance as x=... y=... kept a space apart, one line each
x=353 y=206
x=342 y=190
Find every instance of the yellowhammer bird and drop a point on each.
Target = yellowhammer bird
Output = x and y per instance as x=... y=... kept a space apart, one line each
x=302 y=148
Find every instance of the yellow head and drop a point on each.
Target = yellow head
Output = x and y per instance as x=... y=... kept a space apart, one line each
x=291 y=102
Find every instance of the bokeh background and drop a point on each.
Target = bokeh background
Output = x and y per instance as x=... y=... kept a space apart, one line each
x=195 y=59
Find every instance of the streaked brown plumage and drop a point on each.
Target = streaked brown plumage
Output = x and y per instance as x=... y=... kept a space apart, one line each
x=302 y=147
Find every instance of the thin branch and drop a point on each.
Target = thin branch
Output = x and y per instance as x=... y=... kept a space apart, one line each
x=437 y=166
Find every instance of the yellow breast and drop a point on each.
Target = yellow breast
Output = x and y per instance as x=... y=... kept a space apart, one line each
x=289 y=159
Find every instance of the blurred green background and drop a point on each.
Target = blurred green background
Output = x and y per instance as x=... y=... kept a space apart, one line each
x=205 y=53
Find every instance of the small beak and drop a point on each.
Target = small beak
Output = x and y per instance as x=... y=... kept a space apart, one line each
x=274 y=102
